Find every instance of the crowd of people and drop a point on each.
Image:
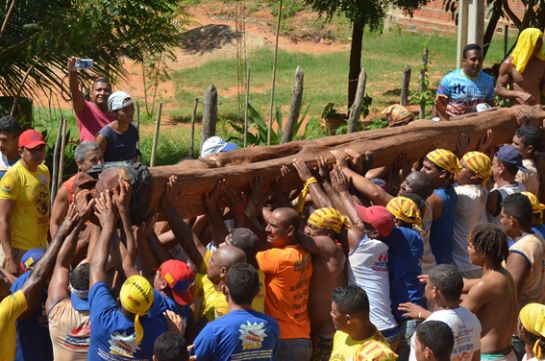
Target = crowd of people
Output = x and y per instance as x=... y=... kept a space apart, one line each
x=437 y=259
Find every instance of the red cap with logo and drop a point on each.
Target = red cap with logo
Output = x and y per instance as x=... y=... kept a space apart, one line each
x=378 y=217
x=30 y=139
x=179 y=277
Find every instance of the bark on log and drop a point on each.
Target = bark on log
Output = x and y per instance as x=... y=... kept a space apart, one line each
x=295 y=109
x=240 y=167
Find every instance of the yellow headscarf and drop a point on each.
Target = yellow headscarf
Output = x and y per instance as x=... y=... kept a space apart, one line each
x=537 y=208
x=532 y=318
x=479 y=163
x=406 y=210
x=445 y=159
x=300 y=206
x=137 y=297
x=328 y=218
x=525 y=48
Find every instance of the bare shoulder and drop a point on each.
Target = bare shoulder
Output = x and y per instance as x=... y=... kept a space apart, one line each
x=327 y=246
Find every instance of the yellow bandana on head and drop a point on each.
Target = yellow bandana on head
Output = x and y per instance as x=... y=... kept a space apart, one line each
x=537 y=208
x=525 y=48
x=136 y=296
x=405 y=209
x=328 y=218
x=445 y=159
x=479 y=163
x=532 y=318
x=300 y=206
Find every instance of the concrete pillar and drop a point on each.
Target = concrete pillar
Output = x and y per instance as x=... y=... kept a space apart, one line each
x=471 y=14
x=462 y=30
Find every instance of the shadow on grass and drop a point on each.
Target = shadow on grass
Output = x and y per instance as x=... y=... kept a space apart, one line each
x=208 y=38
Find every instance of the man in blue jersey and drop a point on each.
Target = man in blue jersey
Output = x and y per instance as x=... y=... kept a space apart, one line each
x=242 y=334
x=461 y=90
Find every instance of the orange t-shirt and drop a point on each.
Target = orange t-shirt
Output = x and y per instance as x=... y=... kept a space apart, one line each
x=287 y=280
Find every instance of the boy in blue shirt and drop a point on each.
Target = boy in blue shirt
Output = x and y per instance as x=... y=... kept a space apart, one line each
x=242 y=334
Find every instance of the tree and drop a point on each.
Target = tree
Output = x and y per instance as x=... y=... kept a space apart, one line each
x=37 y=37
x=362 y=13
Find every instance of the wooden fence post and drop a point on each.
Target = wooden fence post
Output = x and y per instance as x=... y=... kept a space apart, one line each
x=295 y=109
x=209 y=112
x=193 y=117
x=355 y=111
x=405 y=86
x=246 y=106
x=423 y=71
x=273 y=85
x=156 y=136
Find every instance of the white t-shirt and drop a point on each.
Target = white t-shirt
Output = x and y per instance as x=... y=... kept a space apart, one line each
x=466 y=328
x=368 y=269
x=524 y=358
x=470 y=210
x=504 y=191
x=530 y=179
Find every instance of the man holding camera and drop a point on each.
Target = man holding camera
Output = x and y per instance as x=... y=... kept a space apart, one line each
x=91 y=116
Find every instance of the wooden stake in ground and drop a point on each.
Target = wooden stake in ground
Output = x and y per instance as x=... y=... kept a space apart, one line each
x=56 y=153
x=269 y=130
x=295 y=109
x=423 y=80
x=138 y=125
x=405 y=86
x=193 y=117
x=209 y=112
x=156 y=136
x=246 y=105
x=61 y=151
x=355 y=111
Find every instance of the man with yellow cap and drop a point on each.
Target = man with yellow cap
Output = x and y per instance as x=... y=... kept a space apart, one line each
x=537 y=211
x=325 y=228
x=126 y=331
x=522 y=75
x=532 y=331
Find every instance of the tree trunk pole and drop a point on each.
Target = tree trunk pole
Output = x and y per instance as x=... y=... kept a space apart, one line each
x=423 y=71
x=505 y=40
x=56 y=152
x=193 y=117
x=61 y=151
x=295 y=109
x=405 y=86
x=138 y=124
x=355 y=111
x=209 y=113
x=246 y=105
x=355 y=59
x=156 y=136
x=273 y=86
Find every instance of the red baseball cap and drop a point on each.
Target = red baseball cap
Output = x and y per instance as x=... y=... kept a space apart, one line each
x=378 y=217
x=30 y=139
x=179 y=277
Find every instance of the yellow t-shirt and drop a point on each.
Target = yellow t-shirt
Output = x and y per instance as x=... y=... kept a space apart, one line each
x=374 y=348
x=11 y=308
x=29 y=219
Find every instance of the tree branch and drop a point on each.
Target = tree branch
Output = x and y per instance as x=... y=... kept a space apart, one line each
x=511 y=14
x=8 y=15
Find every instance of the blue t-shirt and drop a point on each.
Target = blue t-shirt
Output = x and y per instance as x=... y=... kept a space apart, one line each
x=239 y=335
x=162 y=303
x=443 y=227
x=119 y=146
x=405 y=250
x=112 y=334
x=33 y=340
x=539 y=229
x=466 y=92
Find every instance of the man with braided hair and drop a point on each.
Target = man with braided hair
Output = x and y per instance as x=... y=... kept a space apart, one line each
x=470 y=209
x=494 y=294
x=324 y=230
x=442 y=165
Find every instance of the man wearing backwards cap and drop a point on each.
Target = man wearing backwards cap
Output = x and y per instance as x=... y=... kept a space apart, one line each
x=125 y=331
x=117 y=140
x=215 y=145
x=522 y=75
x=470 y=208
x=404 y=256
x=532 y=331
x=505 y=165
x=24 y=201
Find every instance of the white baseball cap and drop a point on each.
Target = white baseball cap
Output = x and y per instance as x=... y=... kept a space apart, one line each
x=118 y=100
x=215 y=145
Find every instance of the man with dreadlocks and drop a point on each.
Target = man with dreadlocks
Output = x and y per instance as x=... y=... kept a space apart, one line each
x=325 y=228
x=494 y=294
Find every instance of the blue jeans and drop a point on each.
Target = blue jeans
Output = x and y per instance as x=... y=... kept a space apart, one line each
x=299 y=349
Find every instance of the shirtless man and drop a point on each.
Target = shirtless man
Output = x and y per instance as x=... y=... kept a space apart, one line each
x=522 y=75
x=494 y=294
x=324 y=228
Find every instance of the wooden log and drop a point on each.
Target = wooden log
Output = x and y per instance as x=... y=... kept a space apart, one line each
x=355 y=110
x=240 y=167
x=295 y=109
x=209 y=113
x=405 y=86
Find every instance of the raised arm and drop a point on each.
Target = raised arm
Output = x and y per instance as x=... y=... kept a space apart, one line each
x=505 y=80
x=319 y=198
x=58 y=211
x=215 y=219
x=122 y=198
x=6 y=207
x=107 y=216
x=78 y=103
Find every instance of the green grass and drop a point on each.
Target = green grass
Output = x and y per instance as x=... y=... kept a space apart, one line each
x=384 y=58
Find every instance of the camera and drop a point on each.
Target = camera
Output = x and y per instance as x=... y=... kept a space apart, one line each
x=84 y=63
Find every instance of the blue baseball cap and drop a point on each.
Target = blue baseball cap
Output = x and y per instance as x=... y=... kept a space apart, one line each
x=30 y=257
x=215 y=145
x=79 y=299
x=511 y=156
